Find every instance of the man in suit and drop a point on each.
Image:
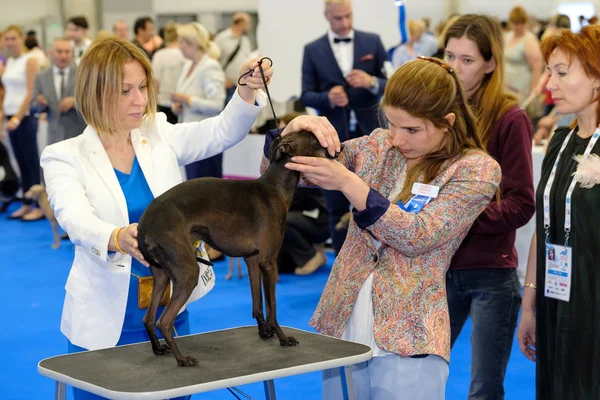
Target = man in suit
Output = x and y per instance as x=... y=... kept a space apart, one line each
x=343 y=78
x=54 y=93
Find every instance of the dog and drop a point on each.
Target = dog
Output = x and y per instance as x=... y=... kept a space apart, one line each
x=38 y=193
x=238 y=218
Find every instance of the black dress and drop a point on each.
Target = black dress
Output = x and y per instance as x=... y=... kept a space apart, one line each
x=568 y=333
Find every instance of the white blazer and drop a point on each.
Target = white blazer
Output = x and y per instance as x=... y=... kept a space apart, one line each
x=206 y=85
x=89 y=205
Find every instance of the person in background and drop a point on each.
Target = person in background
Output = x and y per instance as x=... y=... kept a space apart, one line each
x=428 y=42
x=559 y=329
x=524 y=62
x=167 y=65
x=54 y=93
x=412 y=49
x=18 y=78
x=200 y=90
x=36 y=52
x=143 y=29
x=482 y=281
x=121 y=29
x=77 y=32
x=235 y=49
x=343 y=78
x=100 y=182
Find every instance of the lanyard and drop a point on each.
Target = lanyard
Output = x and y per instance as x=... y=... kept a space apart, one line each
x=568 y=204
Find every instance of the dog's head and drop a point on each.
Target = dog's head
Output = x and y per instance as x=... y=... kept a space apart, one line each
x=35 y=192
x=299 y=143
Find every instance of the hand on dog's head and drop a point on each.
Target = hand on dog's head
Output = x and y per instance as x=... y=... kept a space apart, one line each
x=299 y=143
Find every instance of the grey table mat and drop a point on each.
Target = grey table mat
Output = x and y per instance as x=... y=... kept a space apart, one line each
x=222 y=355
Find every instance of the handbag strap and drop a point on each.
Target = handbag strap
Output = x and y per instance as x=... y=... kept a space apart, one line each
x=232 y=56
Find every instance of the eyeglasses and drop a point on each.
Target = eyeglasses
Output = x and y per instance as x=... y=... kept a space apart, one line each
x=438 y=62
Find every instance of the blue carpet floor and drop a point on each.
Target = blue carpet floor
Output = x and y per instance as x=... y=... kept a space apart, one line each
x=33 y=277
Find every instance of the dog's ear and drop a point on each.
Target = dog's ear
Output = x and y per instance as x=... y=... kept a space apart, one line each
x=278 y=148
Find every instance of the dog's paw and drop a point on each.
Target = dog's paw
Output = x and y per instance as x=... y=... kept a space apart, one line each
x=161 y=350
x=187 y=362
x=265 y=331
x=288 y=341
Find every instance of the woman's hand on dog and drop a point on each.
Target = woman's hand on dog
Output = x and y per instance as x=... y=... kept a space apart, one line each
x=328 y=174
x=128 y=241
x=320 y=127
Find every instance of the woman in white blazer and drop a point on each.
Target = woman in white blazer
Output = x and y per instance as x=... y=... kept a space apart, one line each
x=100 y=182
x=200 y=92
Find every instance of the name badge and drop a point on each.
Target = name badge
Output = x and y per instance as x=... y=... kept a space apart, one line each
x=558 y=272
x=421 y=189
x=415 y=204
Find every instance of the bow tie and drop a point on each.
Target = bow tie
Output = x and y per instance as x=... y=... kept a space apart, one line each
x=345 y=40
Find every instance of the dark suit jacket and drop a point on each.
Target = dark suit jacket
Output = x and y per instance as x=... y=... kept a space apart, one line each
x=320 y=72
x=61 y=126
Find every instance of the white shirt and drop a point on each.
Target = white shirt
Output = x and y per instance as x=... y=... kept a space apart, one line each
x=227 y=43
x=167 y=65
x=14 y=80
x=78 y=51
x=344 y=55
x=343 y=52
x=57 y=79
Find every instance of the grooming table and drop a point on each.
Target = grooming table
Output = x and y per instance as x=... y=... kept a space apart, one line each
x=227 y=358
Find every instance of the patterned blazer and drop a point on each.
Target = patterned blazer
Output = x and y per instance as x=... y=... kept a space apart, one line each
x=409 y=289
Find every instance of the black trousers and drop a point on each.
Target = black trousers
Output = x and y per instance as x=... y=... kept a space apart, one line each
x=24 y=143
x=171 y=117
x=301 y=235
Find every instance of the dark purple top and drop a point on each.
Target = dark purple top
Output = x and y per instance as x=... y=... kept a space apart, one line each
x=491 y=241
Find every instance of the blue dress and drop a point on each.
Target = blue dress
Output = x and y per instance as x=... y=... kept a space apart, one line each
x=138 y=197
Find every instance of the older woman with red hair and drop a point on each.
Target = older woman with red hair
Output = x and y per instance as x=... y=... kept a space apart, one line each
x=559 y=328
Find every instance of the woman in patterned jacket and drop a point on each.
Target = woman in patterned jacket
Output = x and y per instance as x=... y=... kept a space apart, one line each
x=416 y=189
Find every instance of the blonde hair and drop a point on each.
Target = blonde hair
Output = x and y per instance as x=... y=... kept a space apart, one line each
x=518 y=15
x=99 y=82
x=15 y=28
x=429 y=89
x=328 y=2
x=171 y=32
x=197 y=34
x=414 y=27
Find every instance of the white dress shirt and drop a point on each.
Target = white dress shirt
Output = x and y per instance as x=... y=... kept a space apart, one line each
x=57 y=80
x=344 y=55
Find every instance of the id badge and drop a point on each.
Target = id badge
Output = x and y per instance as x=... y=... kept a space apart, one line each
x=559 y=270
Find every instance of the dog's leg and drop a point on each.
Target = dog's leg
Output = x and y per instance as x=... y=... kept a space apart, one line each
x=269 y=280
x=161 y=281
x=264 y=330
x=183 y=285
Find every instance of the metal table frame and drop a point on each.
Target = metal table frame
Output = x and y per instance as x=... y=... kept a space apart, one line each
x=267 y=377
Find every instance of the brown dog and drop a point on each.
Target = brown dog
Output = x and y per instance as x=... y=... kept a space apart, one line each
x=240 y=219
x=38 y=193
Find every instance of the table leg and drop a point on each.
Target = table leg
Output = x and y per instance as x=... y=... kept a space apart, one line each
x=347 y=386
x=270 y=390
x=60 y=391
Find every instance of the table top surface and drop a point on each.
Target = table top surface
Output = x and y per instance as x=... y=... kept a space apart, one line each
x=227 y=358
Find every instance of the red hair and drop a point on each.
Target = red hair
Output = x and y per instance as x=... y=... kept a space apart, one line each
x=585 y=46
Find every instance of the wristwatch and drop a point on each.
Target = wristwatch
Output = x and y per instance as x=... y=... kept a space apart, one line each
x=373 y=81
